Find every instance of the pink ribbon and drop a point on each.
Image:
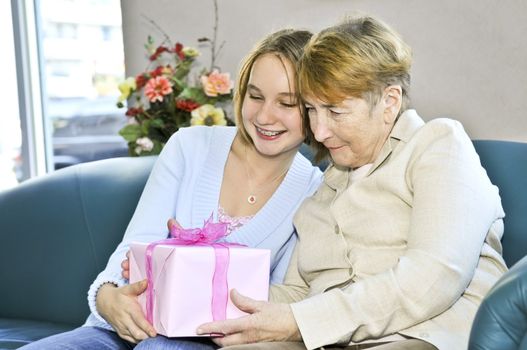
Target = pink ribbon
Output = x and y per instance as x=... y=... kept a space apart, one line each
x=206 y=236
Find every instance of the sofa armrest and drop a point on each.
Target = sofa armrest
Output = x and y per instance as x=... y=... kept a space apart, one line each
x=501 y=320
x=57 y=232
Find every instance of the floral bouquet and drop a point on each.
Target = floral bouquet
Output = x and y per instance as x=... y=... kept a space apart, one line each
x=163 y=98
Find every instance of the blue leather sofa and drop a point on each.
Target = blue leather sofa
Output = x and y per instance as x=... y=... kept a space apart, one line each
x=501 y=320
x=57 y=232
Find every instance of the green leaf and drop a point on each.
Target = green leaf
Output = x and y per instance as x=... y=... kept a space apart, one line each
x=157 y=123
x=196 y=94
x=131 y=132
x=182 y=69
x=145 y=126
x=179 y=85
x=158 y=146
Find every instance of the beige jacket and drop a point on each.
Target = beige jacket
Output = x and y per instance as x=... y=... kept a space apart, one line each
x=410 y=249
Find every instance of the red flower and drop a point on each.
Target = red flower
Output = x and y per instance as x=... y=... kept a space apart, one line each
x=140 y=80
x=158 y=52
x=187 y=105
x=178 y=50
x=157 y=72
x=132 y=112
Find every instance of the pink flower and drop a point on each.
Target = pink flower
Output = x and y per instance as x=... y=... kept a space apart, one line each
x=156 y=88
x=216 y=83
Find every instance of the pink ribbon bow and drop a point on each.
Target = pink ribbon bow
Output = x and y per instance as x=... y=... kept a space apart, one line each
x=206 y=236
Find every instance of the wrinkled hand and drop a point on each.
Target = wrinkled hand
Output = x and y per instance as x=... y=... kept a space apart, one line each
x=125 y=264
x=120 y=308
x=266 y=322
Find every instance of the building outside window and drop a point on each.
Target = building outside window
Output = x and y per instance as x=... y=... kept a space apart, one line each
x=83 y=61
x=10 y=133
x=59 y=107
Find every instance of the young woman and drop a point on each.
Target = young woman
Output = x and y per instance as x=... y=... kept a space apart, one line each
x=250 y=176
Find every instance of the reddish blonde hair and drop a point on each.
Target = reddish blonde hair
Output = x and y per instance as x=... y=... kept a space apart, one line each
x=359 y=57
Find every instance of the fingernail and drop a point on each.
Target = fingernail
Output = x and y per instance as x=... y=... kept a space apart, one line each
x=199 y=331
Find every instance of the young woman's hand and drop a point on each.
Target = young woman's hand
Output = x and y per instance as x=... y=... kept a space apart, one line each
x=125 y=264
x=173 y=223
x=120 y=308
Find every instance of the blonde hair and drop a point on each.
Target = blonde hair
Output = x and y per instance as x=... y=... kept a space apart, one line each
x=359 y=57
x=286 y=44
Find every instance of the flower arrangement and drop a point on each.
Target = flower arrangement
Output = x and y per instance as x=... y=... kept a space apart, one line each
x=164 y=98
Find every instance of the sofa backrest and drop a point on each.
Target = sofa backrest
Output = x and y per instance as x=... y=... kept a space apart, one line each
x=506 y=165
x=57 y=232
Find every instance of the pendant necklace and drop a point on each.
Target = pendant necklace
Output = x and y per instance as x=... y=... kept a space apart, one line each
x=251 y=198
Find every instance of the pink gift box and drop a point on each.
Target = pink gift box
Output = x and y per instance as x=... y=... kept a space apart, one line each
x=183 y=289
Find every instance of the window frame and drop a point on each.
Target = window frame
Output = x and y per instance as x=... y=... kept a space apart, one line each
x=36 y=141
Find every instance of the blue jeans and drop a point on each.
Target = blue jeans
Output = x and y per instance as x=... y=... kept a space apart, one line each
x=83 y=338
x=161 y=342
x=93 y=338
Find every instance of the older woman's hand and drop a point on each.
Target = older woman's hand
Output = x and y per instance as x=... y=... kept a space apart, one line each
x=266 y=322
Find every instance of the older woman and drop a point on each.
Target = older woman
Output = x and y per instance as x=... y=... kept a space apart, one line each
x=402 y=240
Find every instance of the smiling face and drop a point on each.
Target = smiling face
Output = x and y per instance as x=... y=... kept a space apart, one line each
x=270 y=110
x=353 y=131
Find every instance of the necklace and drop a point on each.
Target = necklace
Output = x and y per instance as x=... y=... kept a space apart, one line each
x=251 y=198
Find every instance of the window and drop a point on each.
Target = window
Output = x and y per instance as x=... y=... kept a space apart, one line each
x=69 y=59
x=60 y=30
x=83 y=60
x=106 y=33
x=10 y=133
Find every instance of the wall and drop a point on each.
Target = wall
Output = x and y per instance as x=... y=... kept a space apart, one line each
x=470 y=56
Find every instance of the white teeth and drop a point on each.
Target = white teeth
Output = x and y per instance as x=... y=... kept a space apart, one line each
x=268 y=133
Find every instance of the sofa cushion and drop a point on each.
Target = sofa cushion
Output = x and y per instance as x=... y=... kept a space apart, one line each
x=15 y=333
